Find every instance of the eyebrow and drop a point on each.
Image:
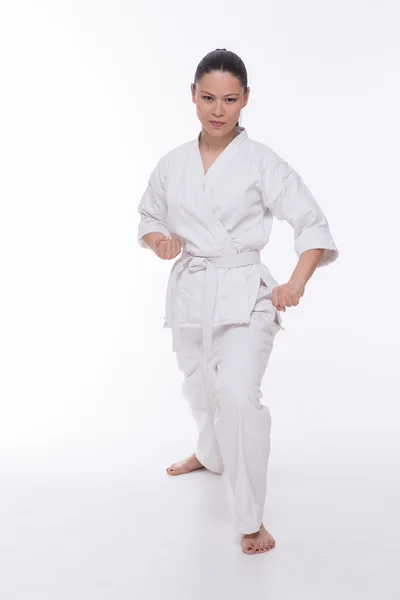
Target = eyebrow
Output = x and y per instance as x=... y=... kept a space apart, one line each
x=204 y=92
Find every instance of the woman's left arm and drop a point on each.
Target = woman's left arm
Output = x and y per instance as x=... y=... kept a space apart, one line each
x=290 y=293
x=288 y=198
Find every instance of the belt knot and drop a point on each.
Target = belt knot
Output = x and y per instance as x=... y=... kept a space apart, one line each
x=197 y=263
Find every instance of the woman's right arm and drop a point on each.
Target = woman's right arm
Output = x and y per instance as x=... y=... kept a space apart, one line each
x=153 y=208
x=150 y=239
x=153 y=230
x=166 y=248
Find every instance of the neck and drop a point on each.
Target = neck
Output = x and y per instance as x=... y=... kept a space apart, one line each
x=214 y=143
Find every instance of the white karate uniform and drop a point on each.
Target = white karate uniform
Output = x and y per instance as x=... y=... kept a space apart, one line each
x=219 y=294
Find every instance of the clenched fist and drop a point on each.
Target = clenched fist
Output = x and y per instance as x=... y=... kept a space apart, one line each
x=167 y=248
x=287 y=294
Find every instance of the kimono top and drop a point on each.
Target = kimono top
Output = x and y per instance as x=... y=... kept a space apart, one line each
x=223 y=219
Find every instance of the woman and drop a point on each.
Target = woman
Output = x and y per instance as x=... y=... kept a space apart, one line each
x=214 y=198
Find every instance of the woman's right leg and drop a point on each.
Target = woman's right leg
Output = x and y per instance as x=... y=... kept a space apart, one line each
x=201 y=398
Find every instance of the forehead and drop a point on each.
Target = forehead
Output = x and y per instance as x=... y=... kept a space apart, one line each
x=219 y=83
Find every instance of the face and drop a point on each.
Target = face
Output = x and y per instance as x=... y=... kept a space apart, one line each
x=219 y=97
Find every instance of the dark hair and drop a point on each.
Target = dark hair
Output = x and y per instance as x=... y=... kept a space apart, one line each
x=223 y=60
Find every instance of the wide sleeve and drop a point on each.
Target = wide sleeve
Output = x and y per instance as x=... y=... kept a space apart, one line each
x=288 y=198
x=152 y=207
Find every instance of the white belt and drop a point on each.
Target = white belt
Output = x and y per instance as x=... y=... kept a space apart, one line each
x=210 y=265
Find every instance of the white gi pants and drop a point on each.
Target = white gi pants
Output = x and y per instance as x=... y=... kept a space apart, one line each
x=233 y=425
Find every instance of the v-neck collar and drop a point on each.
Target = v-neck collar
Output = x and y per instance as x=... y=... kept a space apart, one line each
x=226 y=153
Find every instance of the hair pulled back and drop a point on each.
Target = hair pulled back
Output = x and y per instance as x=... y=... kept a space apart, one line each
x=223 y=60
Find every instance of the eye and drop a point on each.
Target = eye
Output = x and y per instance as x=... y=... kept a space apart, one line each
x=209 y=97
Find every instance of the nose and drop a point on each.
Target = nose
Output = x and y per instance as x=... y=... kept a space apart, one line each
x=218 y=110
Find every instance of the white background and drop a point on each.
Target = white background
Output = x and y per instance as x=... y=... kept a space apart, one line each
x=91 y=411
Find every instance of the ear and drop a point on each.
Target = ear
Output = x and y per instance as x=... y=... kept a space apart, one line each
x=193 y=91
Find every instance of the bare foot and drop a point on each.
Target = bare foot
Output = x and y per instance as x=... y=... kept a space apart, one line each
x=185 y=466
x=259 y=542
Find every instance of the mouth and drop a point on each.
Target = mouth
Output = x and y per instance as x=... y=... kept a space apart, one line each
x=217 y=123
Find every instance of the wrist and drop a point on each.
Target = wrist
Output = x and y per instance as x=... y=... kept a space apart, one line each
x=298 y=280
x=151 y=239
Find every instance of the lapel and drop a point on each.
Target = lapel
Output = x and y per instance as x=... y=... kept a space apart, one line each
x=221 y=162
x=199 y=186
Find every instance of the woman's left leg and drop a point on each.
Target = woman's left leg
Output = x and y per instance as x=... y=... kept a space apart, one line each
x=242 y=423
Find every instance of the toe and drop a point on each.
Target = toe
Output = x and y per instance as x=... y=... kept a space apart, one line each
x=248 y=548
x=173 y=471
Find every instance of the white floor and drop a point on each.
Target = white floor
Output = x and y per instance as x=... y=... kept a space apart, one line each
x=88 y=512
x=107 y=522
